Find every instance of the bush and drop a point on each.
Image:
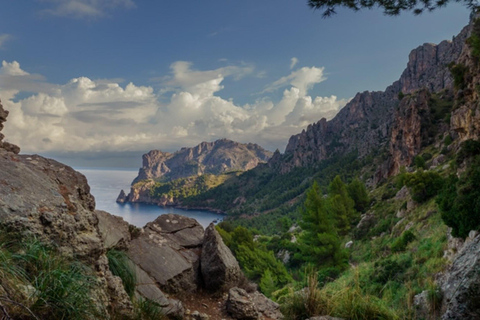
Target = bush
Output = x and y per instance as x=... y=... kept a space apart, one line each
x=390 y=270
x=419 y=162
x=459 y=201
x=459 y=73
x=423 y=185
x=400 y=244
x=468 y=149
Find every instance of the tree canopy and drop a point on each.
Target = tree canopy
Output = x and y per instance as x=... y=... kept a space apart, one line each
x=390 y=7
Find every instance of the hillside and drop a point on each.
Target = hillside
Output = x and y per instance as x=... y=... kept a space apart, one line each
x=373 y=136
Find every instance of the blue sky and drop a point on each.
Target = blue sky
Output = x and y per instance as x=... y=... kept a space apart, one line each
x=102 y=76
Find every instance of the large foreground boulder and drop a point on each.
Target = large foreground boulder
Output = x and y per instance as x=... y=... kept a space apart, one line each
x=168 y=250
x=220 y=269
x=461 y=288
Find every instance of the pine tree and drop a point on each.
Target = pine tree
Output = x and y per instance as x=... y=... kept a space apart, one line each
x=319 y=242
x=358 y=192
x=267 y=283
x=340 y=205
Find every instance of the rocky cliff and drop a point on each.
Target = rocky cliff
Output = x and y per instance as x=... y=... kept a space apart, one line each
x=372 y=121
x=207 y=157
x=48 y=201
x=218 y=157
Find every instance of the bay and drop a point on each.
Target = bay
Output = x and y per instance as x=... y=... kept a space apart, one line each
x=105 y=185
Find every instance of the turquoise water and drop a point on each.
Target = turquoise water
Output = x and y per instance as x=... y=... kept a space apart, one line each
x=105 y=185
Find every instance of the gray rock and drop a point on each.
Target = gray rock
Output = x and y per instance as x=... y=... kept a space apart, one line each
x=113 y=230
x=461 y=287
x=169 y=252
x=241 y=306
x=402 y=193
x=220 y=269
x=366 y=222
x=266 y=307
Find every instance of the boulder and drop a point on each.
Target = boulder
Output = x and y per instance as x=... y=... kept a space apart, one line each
x=169 y=252
x=220 y=269
x=461 y=287
x=113 y=230
x=266 y=307
x=241 y=306
x=366 y=222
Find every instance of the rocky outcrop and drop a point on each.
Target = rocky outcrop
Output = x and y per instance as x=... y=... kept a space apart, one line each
x=52 y=202
x=461 y=287
x=122 y=197
x=220 y=269
x=169 y=250
x=207 y=157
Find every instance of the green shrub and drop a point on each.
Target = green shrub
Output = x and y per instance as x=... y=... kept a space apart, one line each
x=468 y=149
x=121 y=266
x=390 y=269
x=459 y=201
x=459 y=73
x=419 y=162
x=448 y=140
x=400 y=244
x=423 y=185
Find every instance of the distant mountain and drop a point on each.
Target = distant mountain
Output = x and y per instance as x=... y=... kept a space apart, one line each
x=207 y=158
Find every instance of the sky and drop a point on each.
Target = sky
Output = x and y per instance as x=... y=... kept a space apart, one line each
x=100 y=82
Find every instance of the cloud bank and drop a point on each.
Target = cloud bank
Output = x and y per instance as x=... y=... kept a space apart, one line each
x=85 y=115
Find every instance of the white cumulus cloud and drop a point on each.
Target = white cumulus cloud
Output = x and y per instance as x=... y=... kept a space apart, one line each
x=102 y=115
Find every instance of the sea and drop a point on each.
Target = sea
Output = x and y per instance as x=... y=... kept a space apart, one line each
x=105 y=185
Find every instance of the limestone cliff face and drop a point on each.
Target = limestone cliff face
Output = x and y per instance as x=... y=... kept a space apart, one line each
x=465 y=120
x=367 y=122
x=207 y=157
x=409 y=130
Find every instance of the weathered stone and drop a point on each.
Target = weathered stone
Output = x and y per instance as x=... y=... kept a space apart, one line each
x=113 y=230
x=241 y=306
x=461 y=288
x=266 y=307
x=220 y=269
x=169 y=251
x=366 y=222
x=402 y=194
